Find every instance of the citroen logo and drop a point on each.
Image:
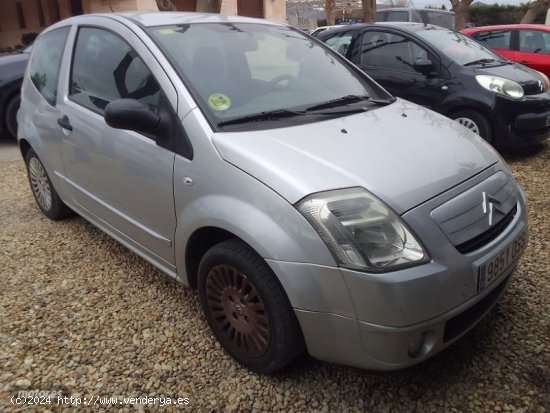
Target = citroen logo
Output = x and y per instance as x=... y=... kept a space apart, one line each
x=491 y=206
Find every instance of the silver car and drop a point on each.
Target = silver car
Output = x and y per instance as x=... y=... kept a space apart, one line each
x=310 y=208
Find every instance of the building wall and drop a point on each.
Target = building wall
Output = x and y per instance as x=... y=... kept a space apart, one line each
x=106 y=6
x=275 y=10
x=19 y=17
x=36 y=15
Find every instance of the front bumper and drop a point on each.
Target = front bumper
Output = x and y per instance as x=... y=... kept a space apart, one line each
x=523 y=123
x=347 y=341
x=394 y=320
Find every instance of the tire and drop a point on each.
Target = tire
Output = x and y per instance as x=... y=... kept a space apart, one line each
x=247 y=309
x=474 y=121
x=44 y=193
x=10 y=116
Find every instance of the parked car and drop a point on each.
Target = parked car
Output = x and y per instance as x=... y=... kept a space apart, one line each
x=12 y=69
x=528 y=44
x=371 y=230
x=320 y=29
x=441 y=18
x=505 y=103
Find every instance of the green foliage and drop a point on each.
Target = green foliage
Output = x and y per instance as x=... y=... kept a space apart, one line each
x=491 y=14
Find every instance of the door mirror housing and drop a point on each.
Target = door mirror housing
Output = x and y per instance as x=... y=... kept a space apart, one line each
x=424 y=66
x=133 y=115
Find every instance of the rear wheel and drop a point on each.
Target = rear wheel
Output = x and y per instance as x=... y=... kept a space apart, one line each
x=474 y=121
x=44 y=192
x=11 y=115
x=247 y=308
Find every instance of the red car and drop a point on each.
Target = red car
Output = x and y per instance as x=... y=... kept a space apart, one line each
x=528 y=44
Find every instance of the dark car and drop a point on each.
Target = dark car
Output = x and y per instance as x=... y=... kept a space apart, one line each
x=12 y=70
x=528 y=44
x=505 y=103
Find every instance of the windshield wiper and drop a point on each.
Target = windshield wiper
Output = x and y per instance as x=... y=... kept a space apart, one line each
x=479 y=62
x=258 y=117
x=346 y=100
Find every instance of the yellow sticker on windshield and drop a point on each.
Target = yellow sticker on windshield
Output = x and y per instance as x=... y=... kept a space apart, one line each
x=219 y=102
x=164 y=32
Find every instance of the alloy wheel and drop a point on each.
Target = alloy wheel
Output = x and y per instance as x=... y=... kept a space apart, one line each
x=40 y=184
x=469 y=123
x=238 y=311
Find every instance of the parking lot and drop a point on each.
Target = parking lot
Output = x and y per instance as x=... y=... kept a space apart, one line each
x=82 y=315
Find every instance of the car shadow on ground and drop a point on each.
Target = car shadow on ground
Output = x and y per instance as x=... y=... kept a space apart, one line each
x=518 y=154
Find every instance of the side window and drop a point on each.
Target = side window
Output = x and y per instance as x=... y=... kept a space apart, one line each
x=496 y=39
x=106 y=68
x=46 y=61
x=340 y=43
x=390 y=51
x=534 y=41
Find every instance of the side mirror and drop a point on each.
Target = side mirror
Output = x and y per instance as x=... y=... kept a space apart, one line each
x=424 y=66
x=133 y=115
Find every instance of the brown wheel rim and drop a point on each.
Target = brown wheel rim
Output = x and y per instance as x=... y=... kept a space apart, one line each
x=237 y=311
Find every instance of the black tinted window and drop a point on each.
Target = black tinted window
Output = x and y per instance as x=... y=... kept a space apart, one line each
x=496 y=39
x=46 y=61
x=390 y=51
x=106 y=68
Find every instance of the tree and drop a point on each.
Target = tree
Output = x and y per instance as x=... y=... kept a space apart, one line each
x=535 y=9
x=460 y=7
x=209 y=6
x=166 y=5
x=369 y=11
x=330 y=10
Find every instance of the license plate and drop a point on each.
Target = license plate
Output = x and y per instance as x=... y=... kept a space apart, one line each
x=499 y=264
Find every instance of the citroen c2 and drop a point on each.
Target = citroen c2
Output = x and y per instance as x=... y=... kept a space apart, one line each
x=310 y=208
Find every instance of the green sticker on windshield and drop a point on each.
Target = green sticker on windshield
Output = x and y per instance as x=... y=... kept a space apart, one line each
x=219 y=102
x=165 y=32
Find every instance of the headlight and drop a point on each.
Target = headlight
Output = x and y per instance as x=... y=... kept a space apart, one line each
x=500 y=85
x=361 y=232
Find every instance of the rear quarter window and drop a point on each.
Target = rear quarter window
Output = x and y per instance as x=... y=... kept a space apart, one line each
x=46 y=62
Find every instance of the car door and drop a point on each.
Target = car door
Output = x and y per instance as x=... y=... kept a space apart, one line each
x=121 y=180
x=391 y=59
x=534 y=50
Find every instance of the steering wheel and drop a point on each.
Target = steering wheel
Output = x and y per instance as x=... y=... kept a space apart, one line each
x=278 y=79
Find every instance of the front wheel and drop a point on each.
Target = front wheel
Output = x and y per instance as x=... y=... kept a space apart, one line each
x=474 y=121
x=45 y=195
x=247 y=308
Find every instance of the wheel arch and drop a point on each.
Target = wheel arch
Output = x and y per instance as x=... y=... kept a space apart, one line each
x=198 y=244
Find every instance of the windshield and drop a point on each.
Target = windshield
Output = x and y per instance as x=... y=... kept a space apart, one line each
x=238 y=70
x=458 y=47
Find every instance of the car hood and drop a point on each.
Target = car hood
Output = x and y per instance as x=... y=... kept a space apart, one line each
x=403 y=153
x=12 y=66
x=527 y=78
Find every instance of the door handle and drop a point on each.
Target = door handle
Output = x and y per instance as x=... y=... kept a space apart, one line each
x=65 y=123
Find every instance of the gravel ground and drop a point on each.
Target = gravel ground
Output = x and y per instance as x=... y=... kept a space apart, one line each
x=83 y=315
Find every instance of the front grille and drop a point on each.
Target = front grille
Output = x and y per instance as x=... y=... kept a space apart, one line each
x=460 y=323
x=487 y=236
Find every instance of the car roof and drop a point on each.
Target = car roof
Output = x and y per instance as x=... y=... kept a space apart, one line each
x=404 y=26
x=412 y=8
x=163 y=18
x=168 y=18
x=507 y=26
